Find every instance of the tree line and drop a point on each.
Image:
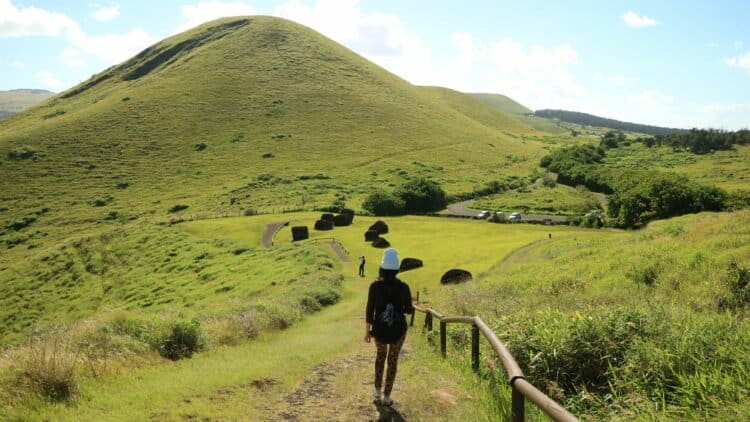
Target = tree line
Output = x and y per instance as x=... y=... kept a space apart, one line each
x=585 y=119
x=697 y=141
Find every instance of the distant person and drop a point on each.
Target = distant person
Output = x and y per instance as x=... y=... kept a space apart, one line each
x=362 y=266
x=387 y=302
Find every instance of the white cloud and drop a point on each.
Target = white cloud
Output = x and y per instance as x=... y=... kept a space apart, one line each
x=636 y=21
x=738 y=45
x=650 y=97
x=48 y=80
x=30 y=21
x=106 y=14
x=18 y=64
x=71 y=56
x=741 y=62
x=613 y=79
x=196 y=14
x=114 y=48
x=535 y=75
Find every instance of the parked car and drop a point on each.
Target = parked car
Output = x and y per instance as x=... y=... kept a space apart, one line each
x=514 y=217
x=483 y=215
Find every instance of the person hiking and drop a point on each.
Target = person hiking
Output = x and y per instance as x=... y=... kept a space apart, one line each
x=362 y=266
x=387 y=302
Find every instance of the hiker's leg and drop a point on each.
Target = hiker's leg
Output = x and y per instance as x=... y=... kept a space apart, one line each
x=390 y=376
x=382 y=349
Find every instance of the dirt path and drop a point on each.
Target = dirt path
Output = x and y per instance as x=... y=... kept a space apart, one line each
x=343 y=256
x=270 y=232
x=326 y=395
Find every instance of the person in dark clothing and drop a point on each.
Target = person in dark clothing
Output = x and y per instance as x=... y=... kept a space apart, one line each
x=362 y=266
x=388 y=300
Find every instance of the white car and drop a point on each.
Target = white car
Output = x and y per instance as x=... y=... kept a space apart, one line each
x=483 y=215
x=514 y=217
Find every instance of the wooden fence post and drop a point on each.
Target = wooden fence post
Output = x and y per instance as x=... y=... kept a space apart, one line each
x=475 y=348
x=428 y=321
x=411 y=322
x=517 y=405
x=443 y=337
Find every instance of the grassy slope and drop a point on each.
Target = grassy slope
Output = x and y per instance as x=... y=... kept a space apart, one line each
x=726 y=169
x=694 y=372
x=145 y=268
x=476 y=109
x=270 y=86
x=520 y=112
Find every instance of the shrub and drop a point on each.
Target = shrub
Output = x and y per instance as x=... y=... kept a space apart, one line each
x=421 y=195
x=383 y=203
x=50 y=367
x=22 y=153
x=182 y=340
x=268 y=155
x=200 y=146
x=644 y=274
x=178 y=207
x=122 y=184
x=738 y=281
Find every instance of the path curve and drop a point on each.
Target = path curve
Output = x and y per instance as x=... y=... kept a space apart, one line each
x=271 y=231
x=461 y=209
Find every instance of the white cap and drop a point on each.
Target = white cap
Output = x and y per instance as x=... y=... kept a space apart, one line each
x=390 y=260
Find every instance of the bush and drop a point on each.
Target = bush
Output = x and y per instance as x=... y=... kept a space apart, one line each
x=22 y=153
x=182 y=340
x=383 y=203
x=50 y=367
x=200 y=146
x=421 y=195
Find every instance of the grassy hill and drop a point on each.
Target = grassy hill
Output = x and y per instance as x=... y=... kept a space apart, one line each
x=242 y=113
x=520 y=112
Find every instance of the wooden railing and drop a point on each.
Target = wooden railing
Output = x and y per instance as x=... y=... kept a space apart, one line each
x=521 y=389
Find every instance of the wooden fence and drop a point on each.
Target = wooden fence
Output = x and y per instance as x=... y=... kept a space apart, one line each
x=521 y=389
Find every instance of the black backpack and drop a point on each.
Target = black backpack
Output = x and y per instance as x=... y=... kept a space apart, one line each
x=390 y=325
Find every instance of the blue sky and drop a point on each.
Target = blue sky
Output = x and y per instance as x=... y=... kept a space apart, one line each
x=683 y=63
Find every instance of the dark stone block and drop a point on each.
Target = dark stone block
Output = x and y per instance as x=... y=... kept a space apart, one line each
x=341 y=220
x=380 y=243
x=324 y=225
x=410 y=264
x=349 y=212
x=455 y=276
x=380 y=227
x=327 y=217
x=371 y=235
x=300 y=233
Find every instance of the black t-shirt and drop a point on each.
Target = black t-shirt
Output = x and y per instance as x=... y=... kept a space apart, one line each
x=381 y=291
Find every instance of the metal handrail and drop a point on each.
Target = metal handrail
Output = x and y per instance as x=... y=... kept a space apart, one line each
x=520 y=387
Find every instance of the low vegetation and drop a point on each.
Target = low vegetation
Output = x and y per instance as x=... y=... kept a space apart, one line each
x=636 y=197
x=655 y=328
x=415 y=196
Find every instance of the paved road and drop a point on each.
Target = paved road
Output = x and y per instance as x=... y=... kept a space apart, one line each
x=462 y=209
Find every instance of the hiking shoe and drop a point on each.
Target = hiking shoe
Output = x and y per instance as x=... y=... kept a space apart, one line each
x=386 y=401
x=376 y=394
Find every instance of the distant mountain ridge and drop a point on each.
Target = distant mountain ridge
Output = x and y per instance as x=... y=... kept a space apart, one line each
x=16 y=100
x=586 y=119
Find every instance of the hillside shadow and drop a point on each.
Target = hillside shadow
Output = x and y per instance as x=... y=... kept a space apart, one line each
x=388 y=413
